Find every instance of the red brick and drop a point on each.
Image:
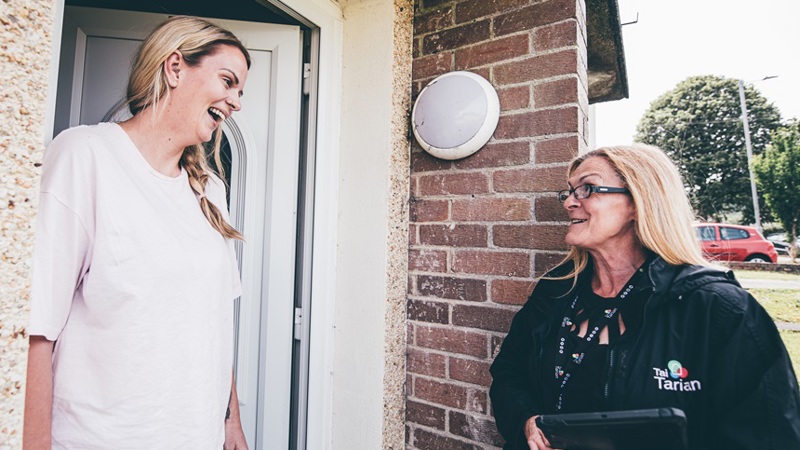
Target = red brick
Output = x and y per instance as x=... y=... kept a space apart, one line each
x=429 y=210
x=440 y=393
x=511 y=292
x=518 y=97
x=535 y=16
x=544 y=262
x=497 y=155
x=556 y=150
x=492 y=51
x=540 y=237
x=478 y=401
x=545 y=179
x=454 y=183
x=424 y=439
x=492 y=209
x=456 y=235
x=537 y=67
x=562 y=34
x=549 y=209
x=556 y=93
x=431 y=65
x=538 y=123
x=492 y=263
x=427 y=260
x=474 y=9
x=470 y=371
x=495 y=344
x=426 y=363
x=422 y=161
x=451 y=340
x=454 y=38
x=474 y=428
x=432 y=3
x=452 y=288
x=409 y=385
x=436 y=19
x=483 y=317
x=412 y=234
x=426 y=311
x=427 y=415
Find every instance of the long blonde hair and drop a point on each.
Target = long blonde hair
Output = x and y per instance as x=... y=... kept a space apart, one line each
x=664 y=214
x=195 y=39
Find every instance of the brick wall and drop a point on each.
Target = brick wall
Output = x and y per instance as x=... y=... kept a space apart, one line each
x=482 y=228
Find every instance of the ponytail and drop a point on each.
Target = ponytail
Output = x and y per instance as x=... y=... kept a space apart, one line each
x=194 y=162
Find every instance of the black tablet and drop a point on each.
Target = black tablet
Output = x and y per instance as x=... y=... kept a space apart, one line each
x=642 y=429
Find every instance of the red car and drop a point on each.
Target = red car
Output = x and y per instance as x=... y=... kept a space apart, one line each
x=724 y=242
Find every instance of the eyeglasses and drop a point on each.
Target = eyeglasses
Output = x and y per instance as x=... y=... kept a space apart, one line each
x=586 y=190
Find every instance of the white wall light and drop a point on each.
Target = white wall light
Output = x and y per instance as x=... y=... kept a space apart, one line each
x=455 y=115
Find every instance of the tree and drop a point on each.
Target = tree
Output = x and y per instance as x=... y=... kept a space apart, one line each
x=698 y=124
x=778 y=174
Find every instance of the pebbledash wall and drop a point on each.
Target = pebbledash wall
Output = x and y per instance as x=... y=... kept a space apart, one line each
x=482 y=228
x=24 y=66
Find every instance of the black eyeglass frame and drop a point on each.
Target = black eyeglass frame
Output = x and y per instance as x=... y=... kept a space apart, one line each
x=590 y=189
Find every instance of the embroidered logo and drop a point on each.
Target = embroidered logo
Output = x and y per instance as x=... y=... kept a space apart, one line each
x=675 y=378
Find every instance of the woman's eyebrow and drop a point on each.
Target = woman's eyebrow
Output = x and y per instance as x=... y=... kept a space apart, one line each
x=235 y=78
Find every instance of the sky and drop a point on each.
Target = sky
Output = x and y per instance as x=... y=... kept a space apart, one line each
x=675 y=39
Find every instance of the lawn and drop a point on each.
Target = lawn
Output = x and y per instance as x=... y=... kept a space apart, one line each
x=759 y=275
x=782 y=304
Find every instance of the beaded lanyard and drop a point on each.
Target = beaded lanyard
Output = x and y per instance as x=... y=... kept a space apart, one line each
x=564 y=368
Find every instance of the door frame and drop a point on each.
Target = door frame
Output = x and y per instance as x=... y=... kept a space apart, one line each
x=324 y=120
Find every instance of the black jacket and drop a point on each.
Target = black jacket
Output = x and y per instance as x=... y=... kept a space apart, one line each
x=740 y=393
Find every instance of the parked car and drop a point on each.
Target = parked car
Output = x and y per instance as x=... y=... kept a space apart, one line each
x=781 y=243
x=725 y=242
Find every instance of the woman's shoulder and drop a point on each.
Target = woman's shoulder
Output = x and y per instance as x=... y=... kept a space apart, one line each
x=82 y=139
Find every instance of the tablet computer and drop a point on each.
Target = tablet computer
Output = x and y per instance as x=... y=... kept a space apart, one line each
x=641 y=429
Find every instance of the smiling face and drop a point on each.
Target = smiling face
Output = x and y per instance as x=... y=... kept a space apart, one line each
x=209 y=92
x=601 y=222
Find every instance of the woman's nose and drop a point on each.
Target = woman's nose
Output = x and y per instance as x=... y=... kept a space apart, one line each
x=235 y=103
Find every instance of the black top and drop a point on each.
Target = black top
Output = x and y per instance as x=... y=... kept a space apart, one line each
x=703 y=345
x=586 y=389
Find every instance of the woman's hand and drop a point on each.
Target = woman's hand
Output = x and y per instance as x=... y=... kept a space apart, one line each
x=234 y=436
x=535 y=437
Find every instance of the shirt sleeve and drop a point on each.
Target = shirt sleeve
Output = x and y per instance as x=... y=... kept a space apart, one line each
x=59 y=264
x=64 y=229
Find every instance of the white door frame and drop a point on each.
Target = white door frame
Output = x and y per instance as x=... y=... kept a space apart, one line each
x=326 y=17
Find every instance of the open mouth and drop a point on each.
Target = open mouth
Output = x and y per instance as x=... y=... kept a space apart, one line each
x=577 y=221
x=216 y=114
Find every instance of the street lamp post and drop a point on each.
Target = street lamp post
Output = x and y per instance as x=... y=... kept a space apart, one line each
x=749 y=147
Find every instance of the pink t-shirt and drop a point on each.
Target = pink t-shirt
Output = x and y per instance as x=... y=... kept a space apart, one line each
x=137 y=289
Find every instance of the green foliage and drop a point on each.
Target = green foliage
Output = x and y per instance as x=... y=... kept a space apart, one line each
x=778 y=174
x=698 y=124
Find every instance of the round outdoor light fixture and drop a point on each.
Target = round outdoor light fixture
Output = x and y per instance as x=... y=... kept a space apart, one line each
x=455 y=115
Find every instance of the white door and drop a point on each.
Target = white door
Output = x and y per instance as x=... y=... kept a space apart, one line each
x=97 y=48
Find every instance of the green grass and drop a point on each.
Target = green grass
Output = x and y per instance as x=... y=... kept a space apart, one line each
x=782 y=304
x=792 y=341
x=759 y=275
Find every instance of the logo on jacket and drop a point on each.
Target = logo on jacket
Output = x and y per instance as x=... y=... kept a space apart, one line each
x=675 y=378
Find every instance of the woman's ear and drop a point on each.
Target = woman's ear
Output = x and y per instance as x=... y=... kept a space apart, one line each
x=172 y=68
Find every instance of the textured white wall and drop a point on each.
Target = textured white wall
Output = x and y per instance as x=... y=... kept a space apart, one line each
x=369 y=345
x=25 y=51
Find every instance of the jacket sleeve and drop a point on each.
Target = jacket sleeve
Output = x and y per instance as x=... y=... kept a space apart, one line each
x=512 y=401
x=758 y=404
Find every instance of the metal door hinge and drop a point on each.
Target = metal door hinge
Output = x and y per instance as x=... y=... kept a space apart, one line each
x=306 y=78
x=298 y=323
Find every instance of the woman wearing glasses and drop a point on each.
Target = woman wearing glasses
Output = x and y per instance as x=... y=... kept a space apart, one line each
x=635 y=318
